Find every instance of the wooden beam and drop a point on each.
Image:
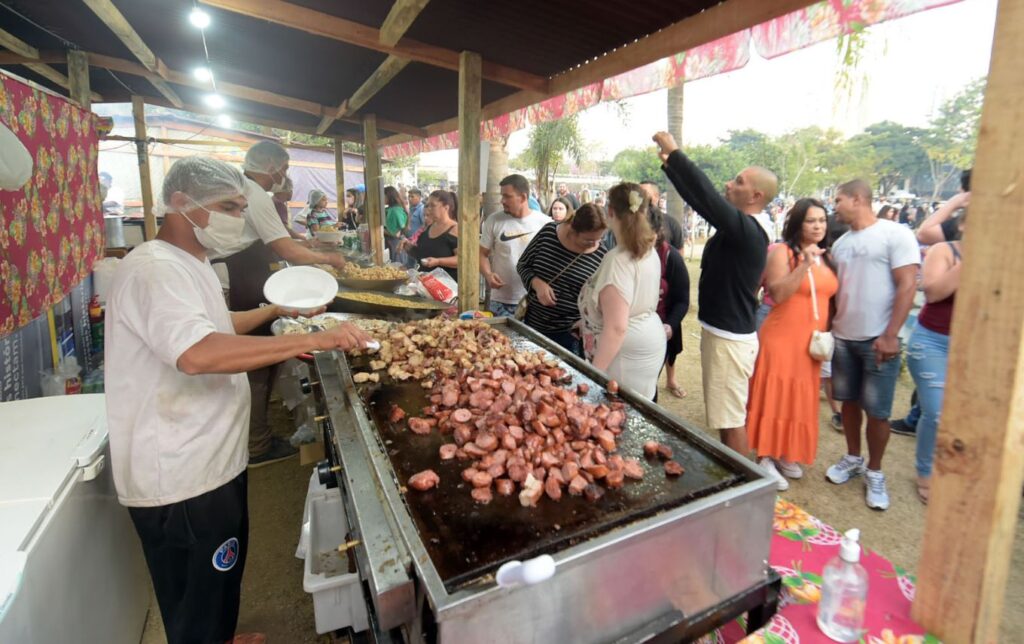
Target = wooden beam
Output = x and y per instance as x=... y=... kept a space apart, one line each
x=115 y=20
x=202 y=109
x=243 y=92
x=372 y=177
x=403 y=13
x=30 y=58
x=339 y=175
x=719 y=21
x=979 y=456
x=146 y=183
x=328 y=26
x=376 y=82
x=78 y=78
x=469 y=181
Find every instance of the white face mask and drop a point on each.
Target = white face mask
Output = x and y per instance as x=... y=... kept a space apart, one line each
x=222 y=230
x=278 y=185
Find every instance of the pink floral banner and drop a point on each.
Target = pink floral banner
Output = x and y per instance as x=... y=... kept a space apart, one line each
x=829 y=19
x=816 y=23
x=51 y=229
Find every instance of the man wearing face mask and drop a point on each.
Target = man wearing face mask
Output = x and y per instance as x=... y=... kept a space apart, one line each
x=264 y=239
x=178 y=404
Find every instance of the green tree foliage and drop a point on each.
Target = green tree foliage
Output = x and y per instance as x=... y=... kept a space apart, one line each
x=897 y=151
x=950 y=141
x=551 y=144
x=638 y=165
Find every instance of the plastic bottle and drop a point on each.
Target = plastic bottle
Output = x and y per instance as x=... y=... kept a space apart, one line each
x=844 y=592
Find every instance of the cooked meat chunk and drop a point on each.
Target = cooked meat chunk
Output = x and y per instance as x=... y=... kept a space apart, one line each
x=424 y=480
x=673 y=469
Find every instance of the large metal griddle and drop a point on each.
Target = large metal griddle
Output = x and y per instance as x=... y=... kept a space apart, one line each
x=467 y=540
x=659 y=558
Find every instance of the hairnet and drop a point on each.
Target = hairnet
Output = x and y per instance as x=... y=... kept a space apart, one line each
x=203 y=179
x=314 y=197
x=266 y=157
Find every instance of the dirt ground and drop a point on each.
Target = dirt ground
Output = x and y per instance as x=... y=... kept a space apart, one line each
x=274 y=603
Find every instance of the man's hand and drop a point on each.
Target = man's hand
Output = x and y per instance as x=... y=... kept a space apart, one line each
x=666 y=145
x=545 y=294
x=284 y=312
x=346 y=336
x=668 y=332
x=337 y=260
x=495 y=280
x=886 y=348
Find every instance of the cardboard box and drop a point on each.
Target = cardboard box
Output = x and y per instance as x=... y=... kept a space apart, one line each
x=311 y=453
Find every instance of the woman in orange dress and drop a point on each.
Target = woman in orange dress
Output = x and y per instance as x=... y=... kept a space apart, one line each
x=782 y=411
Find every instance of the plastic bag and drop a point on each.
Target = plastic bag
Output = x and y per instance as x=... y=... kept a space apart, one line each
x=440 y=285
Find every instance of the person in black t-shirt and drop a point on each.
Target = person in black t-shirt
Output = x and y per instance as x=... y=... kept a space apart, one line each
x=731 y=268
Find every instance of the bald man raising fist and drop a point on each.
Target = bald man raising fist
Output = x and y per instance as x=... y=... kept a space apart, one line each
x=730 y=276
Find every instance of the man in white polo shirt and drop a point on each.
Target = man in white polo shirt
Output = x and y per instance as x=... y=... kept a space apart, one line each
x=178 y=404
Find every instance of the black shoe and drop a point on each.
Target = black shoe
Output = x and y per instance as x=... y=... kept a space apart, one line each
x=901 y=426
x=837 y=421
x=279 y=451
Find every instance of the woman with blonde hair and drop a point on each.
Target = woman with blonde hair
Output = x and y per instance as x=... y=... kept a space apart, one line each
x=622 y=333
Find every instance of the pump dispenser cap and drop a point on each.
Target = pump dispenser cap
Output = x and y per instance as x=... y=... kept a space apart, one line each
x=849 y=549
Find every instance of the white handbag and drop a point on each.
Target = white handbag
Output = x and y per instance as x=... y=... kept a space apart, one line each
x=822 y=342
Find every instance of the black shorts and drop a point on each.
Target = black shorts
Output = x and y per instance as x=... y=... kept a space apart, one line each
x=195 y=550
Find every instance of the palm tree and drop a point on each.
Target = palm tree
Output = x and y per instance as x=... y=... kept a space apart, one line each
x=497 y=169
x=675 y=128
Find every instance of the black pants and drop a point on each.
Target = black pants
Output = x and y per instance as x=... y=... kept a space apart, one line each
x=195 y=550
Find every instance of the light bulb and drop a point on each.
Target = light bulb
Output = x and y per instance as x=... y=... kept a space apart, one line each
x=216 y=101
x=199 y=18
x=224 y=120
x=202 y=74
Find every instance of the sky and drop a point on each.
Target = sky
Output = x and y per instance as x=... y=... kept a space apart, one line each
x=910 y=66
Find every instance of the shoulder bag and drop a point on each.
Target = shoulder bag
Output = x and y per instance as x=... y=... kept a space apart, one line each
x=524 y=303
x=822 y=342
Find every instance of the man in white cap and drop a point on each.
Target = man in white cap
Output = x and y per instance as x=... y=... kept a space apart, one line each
x=264 y=239
x=178 y=405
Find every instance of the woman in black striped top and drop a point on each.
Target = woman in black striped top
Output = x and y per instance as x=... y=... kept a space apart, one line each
x=560 y=258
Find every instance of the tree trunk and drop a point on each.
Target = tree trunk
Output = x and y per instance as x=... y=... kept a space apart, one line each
x=497 y=169
x=675 y=128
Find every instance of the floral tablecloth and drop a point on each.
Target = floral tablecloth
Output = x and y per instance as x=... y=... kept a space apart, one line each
x=801 y=546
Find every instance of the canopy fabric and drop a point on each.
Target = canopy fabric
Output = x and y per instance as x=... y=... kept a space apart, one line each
x=816 y=23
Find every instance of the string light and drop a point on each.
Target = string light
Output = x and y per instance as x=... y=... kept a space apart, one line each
x=216 y=101
x=223 y=120
x=203 y=74
x=199 y=18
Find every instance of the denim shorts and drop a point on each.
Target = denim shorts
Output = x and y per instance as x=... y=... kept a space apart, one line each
x=857 y=378
x=503 y=309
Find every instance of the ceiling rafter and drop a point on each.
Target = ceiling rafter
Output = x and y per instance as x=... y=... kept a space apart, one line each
x=30 y=58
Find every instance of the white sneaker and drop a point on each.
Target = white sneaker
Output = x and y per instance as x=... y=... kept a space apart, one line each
x=847 y=468
x=875 y=494
x=789 y=470
x=781 y=484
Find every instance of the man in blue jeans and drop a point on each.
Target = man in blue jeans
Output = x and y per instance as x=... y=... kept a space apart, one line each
x=877 y=262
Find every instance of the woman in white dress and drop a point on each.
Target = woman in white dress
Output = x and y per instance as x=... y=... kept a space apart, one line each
x=622 y=333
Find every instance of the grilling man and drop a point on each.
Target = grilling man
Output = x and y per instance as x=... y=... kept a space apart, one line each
x=178 y=400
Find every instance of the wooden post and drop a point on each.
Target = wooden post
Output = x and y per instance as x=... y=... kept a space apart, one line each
x=78 y=78
x=372 y=177
x=979 y=457
x=145 y=183
x=469 y=181
x=674 y=203
x=339 y=175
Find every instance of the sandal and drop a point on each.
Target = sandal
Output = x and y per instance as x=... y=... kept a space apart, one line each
x=677 y=391
x=924 y=488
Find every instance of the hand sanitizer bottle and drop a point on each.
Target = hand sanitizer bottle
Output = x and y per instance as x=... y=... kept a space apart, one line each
x=844 y=592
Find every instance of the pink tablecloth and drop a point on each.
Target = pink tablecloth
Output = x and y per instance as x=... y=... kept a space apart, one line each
x=801 y=546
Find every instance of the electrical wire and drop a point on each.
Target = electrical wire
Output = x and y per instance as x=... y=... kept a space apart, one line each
x=67 y=43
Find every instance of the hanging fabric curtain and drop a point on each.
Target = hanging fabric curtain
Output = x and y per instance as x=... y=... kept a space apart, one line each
x=51 y=229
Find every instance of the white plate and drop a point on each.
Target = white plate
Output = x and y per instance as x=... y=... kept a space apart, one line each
x=302 y=288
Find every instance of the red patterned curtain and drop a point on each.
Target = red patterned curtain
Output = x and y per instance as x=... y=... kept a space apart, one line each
x=51 y=230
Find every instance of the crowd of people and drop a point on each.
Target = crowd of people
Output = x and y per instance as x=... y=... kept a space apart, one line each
x=601 y=274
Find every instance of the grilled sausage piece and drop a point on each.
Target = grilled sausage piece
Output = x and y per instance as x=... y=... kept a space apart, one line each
x=424 y=480
x=419 y=425
x=673 y=469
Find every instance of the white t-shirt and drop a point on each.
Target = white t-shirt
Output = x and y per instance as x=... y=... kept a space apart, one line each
x=865 y=260
x=506 y=237
x=262 y=223
x=172 y=436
